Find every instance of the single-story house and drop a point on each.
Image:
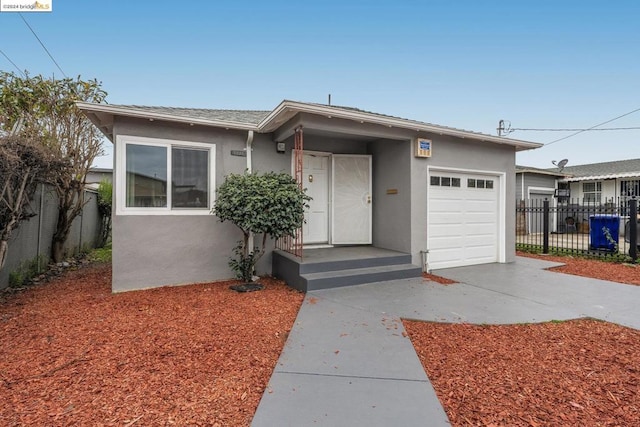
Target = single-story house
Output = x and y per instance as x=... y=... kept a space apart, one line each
x=607 y=182
x=537 y=184
x=583 y=190
x=441 y=196
x=533 y=186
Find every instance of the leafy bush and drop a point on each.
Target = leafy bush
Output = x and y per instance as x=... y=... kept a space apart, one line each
x=271 y=204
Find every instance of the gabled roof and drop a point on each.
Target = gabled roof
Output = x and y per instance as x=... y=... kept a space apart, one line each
x=551 y=172
x=102 y=115
x=605 y=170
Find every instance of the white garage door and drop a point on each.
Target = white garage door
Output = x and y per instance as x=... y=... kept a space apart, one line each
x=463 y=219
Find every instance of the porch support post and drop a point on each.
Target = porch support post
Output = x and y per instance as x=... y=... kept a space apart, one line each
x=299 y=158
x=299 y=164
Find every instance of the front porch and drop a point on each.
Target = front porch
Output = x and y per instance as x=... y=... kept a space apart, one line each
x=342 y=266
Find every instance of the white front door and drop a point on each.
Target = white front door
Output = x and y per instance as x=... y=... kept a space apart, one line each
x=351 y=199
x=315 y=178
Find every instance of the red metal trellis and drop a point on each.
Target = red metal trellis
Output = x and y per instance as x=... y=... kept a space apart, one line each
x=293 y=245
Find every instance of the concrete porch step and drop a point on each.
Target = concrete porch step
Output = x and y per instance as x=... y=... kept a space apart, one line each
x=358 y=276
x=321 y=266
x=342 y=266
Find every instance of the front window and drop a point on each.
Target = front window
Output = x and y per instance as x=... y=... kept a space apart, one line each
x=190 y=178
x=163 y=176
x=146 y=176
x=591 y=192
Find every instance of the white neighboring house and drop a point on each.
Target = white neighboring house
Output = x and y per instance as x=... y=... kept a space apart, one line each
x=587 y=189
x=608 y=183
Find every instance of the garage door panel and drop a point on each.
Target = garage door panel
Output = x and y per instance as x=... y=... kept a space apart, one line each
x=487 y=230
x=444 y=206
x=479 y=219
x=478 y=206
x=446 y=256
x=446 y=233
x=463 y=222
x=447 y=217
x=480 y=242
x=446 y=242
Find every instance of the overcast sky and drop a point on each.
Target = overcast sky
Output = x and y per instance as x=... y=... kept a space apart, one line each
x=466 y=64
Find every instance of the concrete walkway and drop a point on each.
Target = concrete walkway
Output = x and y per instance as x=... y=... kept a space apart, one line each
x=347 y=361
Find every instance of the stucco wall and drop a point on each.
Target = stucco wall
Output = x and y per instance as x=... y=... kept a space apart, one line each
x=156 y=250
x=448 y=152
x=391 y=195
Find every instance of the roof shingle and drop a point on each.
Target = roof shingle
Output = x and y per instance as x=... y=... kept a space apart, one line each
x=251 y=117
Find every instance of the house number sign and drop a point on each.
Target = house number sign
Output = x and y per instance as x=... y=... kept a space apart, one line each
x=423 y=147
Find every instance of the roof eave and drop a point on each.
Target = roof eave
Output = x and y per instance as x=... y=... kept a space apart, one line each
x=542 y=172
x=137 y=113
x=289 y=108
x=604 y=176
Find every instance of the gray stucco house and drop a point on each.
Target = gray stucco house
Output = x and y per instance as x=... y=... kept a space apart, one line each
x=441 y=196
x=537 y=184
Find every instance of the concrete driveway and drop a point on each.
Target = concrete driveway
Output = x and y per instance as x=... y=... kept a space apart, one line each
x=348 y=362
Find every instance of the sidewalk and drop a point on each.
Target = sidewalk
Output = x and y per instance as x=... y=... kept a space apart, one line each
x=347 y=361
x=345 y=366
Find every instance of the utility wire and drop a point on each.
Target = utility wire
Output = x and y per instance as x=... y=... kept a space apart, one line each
x=570 y=130
x=592 y=127
x=43 y=46
x=12 y=63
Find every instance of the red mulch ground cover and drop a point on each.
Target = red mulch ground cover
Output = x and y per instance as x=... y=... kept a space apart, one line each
x=615 y=272
x=438 y=279
x=577 y=373
x=582 y=372
x=72 y=353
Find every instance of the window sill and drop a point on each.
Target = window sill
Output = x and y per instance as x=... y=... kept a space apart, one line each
x=162 y=212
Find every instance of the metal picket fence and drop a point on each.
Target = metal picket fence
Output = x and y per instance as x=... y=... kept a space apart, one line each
x=572 y=226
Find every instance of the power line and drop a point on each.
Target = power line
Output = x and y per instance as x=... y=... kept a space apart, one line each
x=592 y=127
x=12 y=63
x=43 y=46
x=570 y=129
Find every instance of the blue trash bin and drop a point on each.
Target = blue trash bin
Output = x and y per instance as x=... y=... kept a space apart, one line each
x=598 y=239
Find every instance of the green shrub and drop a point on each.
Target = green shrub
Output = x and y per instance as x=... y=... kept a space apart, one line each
x=271 y=204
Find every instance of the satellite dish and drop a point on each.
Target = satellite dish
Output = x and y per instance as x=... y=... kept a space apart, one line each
x=561 y=164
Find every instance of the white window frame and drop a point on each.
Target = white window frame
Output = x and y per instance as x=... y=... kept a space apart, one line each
x=597 y=192
x=121 y=175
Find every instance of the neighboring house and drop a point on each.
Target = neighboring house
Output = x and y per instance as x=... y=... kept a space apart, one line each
x=607 y=183
x=533 y=186
x=369 y=174
x=597 y=188
x=97 y=175
x=536 y=184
